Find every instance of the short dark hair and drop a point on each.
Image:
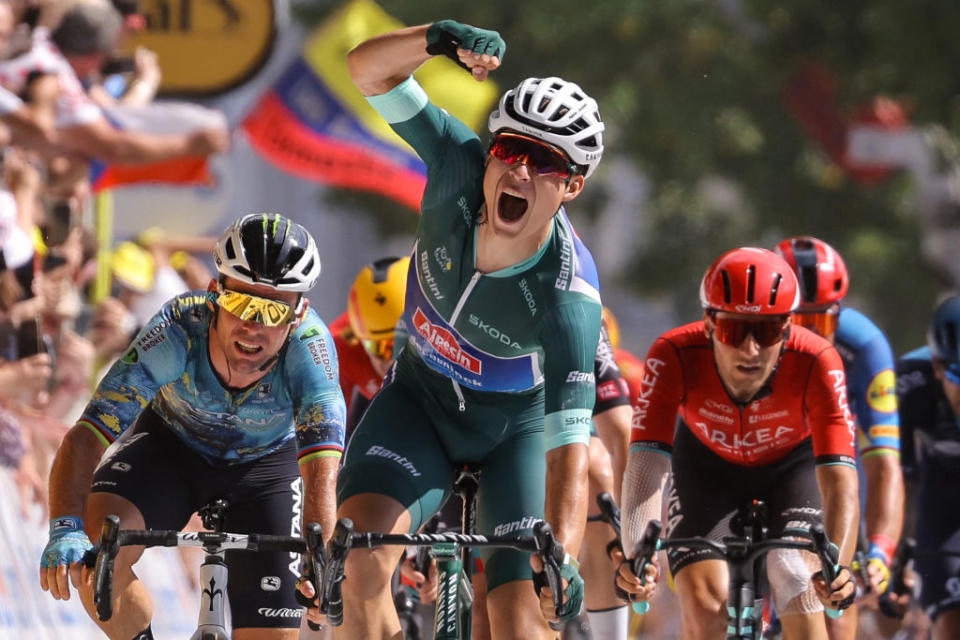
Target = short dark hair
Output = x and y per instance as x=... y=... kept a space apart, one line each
x=88 y=28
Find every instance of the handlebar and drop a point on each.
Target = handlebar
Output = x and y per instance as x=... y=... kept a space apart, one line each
x=103 y=557
x=649 y=544
x=344 y=539
x=103 y=570
x=315 y=558
x=736 y=548
x=552 y=554
x=331 y=601
x=829 y=554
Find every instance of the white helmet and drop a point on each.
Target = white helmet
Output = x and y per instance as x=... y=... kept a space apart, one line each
x=269 y=249
x=557 y=112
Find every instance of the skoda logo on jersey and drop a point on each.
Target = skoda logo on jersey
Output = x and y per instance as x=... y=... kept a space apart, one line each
x=493 y=332
x=465 y=209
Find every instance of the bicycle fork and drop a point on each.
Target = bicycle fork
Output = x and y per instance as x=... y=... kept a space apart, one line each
x=454 y=594
x=211 y=624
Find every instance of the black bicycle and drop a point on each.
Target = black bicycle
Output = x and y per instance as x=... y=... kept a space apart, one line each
x=453 y=620
x=211 y=624
x=744 y=555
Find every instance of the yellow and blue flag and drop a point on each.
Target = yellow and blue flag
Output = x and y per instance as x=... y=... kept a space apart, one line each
x=315 y=124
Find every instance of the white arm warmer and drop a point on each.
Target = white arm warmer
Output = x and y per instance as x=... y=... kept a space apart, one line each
x=643 y=483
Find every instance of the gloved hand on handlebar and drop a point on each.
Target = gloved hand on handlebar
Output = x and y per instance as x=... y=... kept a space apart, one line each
x=840 y=593
x=65 y=549
x=572 y=591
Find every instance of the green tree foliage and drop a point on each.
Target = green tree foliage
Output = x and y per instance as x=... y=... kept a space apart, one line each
x=692 y=91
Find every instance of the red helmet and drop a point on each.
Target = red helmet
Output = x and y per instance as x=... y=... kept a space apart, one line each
x=750 y=280
x=820 y=269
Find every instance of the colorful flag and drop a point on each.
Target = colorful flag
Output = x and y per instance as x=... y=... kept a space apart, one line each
x=159 y=118
x=315 y=124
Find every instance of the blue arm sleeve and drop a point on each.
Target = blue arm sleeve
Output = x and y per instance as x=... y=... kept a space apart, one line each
x=313 y=371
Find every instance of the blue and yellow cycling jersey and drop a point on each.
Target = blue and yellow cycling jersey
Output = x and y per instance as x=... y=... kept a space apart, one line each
x=871 y=382
x=168 y=367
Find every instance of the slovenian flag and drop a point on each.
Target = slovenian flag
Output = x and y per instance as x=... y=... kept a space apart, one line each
x=315 y=124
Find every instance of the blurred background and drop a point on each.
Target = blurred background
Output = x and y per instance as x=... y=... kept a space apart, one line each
x=133 y=132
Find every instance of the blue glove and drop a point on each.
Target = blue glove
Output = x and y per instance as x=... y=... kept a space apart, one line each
x=878 y=558
x=445 y=36
x=67 y=544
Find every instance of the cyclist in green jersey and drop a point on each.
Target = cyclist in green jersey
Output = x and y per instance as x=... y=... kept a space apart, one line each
x=503 y=313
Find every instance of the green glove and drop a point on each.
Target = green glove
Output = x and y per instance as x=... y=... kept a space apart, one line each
x=573 y=594
x=446 y=36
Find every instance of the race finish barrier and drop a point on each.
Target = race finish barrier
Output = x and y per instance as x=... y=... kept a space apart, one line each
x=28 y=612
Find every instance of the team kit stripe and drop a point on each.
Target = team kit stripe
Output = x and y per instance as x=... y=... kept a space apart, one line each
x=104 y=435
x=320 y=450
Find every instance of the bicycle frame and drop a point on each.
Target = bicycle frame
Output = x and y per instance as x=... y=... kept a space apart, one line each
x=211 y=624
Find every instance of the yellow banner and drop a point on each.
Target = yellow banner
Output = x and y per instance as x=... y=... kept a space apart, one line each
x=448 y=85
x=205 y=47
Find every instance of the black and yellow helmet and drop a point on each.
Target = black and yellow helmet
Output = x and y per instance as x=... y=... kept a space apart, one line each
x=376 y=298
x=269 y=249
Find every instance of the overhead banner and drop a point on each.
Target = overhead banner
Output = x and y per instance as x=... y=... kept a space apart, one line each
x=206 y=47
x=315 y=124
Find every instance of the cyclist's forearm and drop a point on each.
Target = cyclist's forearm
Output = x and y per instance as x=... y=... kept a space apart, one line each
x=841 y=508
x=72 y=472
x=319 y=497
x=566 y=503
x=381 y=63
x=643 y=484
x=613 y=427
x=885 y=502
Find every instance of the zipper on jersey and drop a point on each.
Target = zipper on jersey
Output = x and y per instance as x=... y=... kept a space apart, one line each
x=462 y=406
x=453 y=319
x=463 y=297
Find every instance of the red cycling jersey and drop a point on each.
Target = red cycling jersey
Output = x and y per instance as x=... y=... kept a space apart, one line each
x=805 y=397
x=356 y=372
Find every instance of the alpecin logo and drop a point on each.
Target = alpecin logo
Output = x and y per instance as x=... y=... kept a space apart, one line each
x=443 y=341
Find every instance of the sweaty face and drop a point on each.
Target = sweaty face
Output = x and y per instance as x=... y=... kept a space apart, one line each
x=519 y=202
x=245 y=345
x=743 y=368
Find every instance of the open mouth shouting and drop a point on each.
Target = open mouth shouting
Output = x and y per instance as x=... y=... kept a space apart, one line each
x=511 y=208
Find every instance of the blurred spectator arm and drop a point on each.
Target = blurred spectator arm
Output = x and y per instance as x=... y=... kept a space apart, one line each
x=99 y=139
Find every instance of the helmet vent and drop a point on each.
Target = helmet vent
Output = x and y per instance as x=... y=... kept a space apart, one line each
x=808 y=280
x=726 y=286
x=228 y=247
x=751 y=282
x=773 y=289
